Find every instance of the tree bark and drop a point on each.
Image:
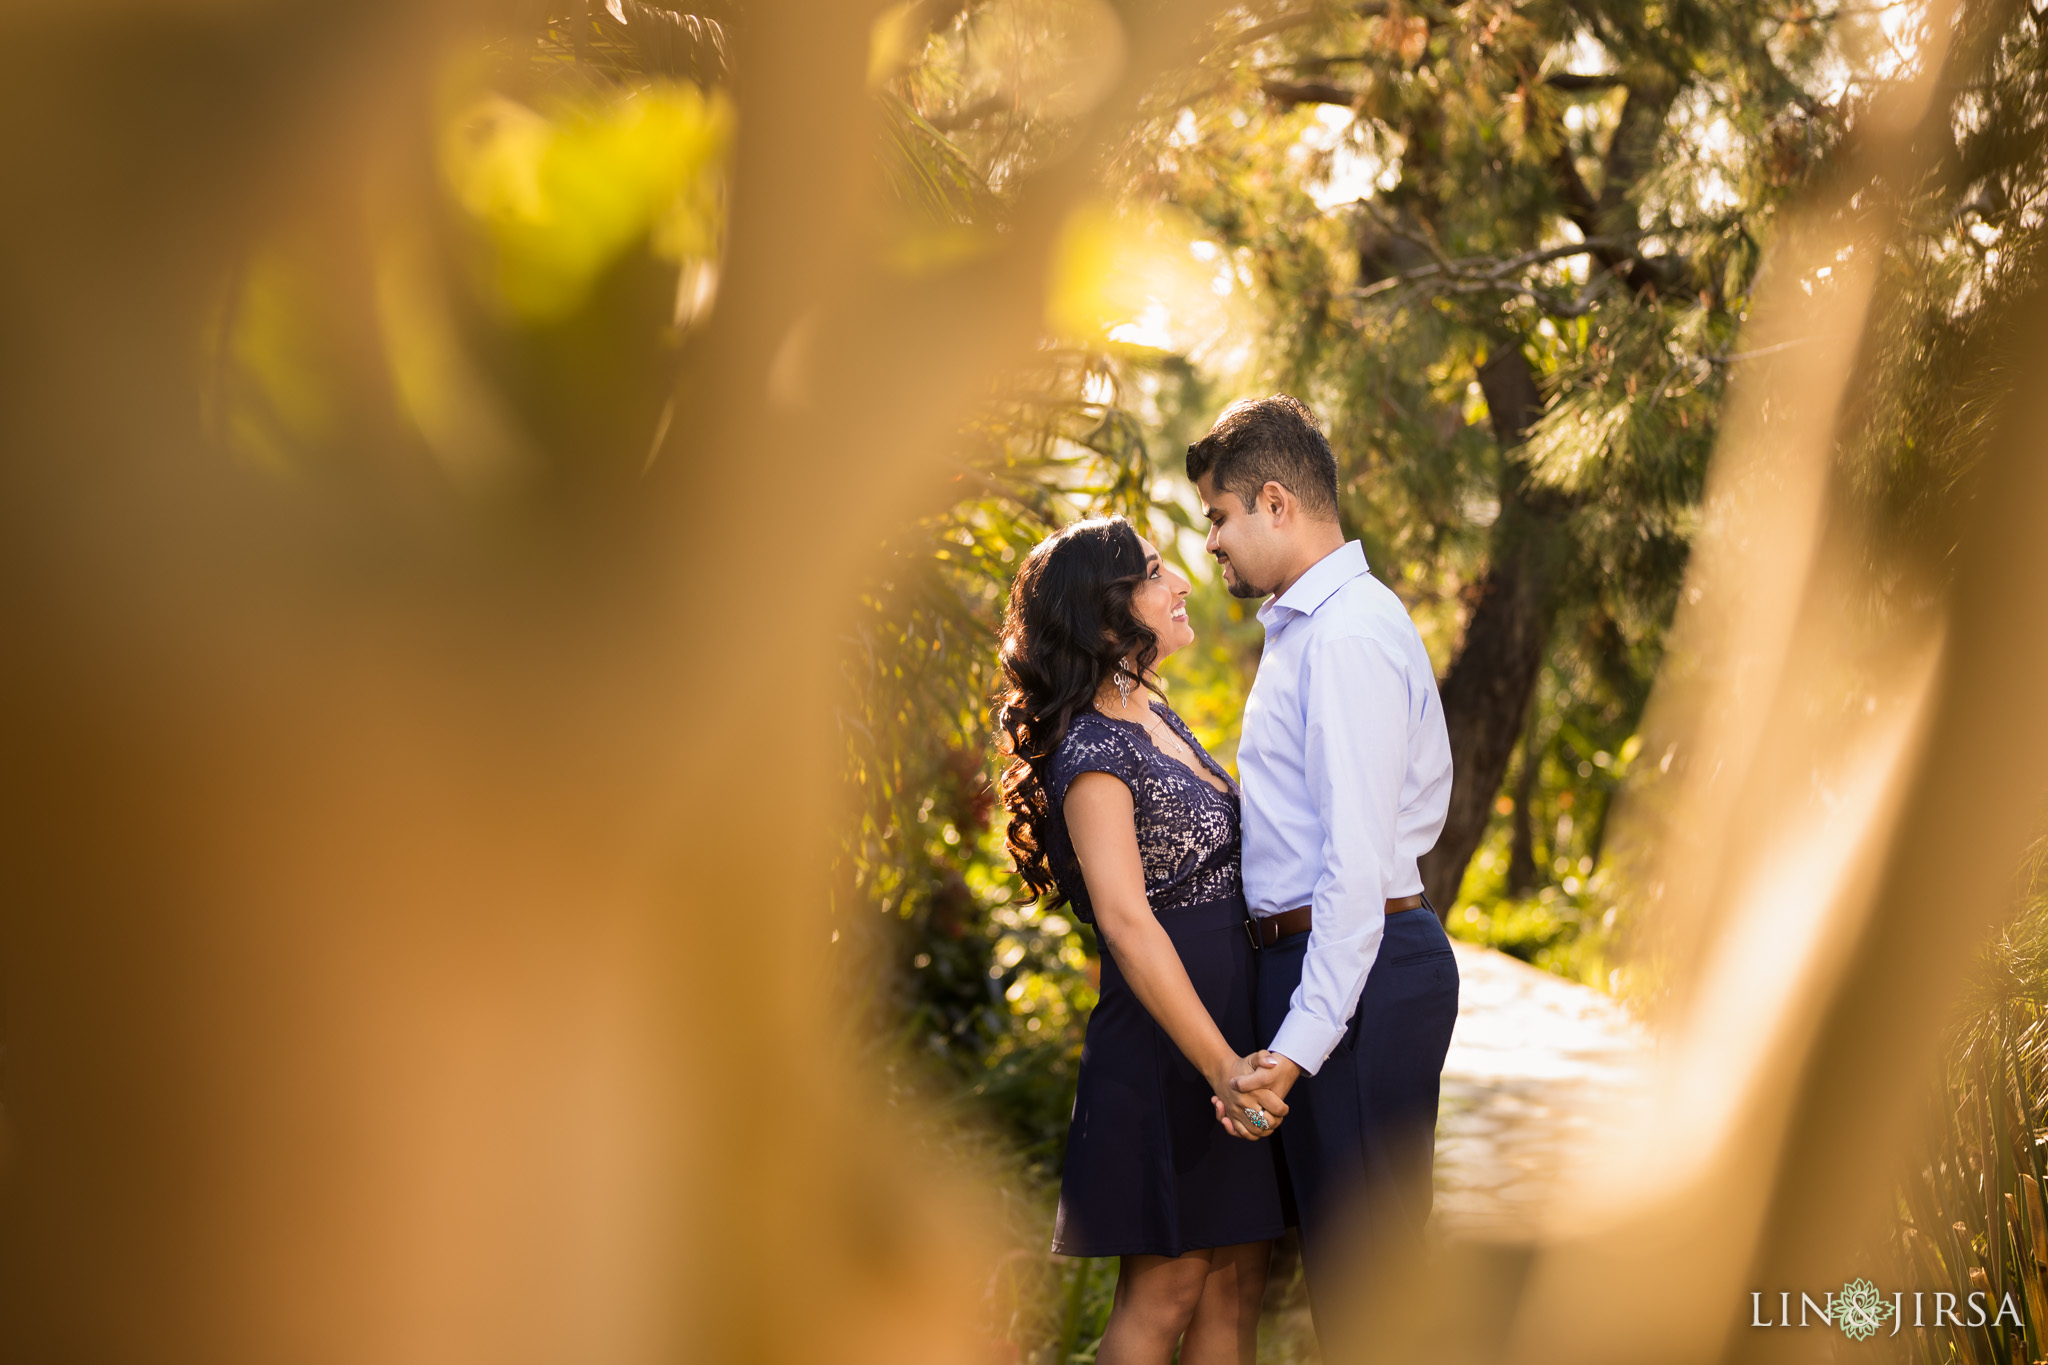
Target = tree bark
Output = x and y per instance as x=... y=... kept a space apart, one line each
x=1522 y=846
x=1487 y=690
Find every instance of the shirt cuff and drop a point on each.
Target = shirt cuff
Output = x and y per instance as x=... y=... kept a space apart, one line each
x=1305 y=1040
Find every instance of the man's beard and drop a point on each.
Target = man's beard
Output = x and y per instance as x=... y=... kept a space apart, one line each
x=1238 y=584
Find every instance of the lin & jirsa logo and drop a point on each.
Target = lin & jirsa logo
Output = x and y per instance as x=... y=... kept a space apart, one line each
x=1860 y=1310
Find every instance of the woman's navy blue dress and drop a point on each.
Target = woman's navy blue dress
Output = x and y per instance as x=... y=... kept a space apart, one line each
x=1149 y=1171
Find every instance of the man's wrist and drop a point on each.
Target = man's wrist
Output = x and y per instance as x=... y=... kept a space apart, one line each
x=1272 y=1073
x=1304 y=1040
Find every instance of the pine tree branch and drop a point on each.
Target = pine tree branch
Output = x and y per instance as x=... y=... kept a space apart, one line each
x=1477 y=269
x=1323 y=92
x=1290 y=93
x=1499 y=275
x=1573 y=81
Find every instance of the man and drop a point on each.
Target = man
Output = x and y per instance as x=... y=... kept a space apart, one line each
x=1346 y=771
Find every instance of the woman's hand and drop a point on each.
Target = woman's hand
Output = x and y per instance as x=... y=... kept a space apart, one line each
x=1236 y=1109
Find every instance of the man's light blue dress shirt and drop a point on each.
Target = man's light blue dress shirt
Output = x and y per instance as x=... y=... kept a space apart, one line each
x=1346 y=771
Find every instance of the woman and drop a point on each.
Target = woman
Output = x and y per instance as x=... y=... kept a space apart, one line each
x=1115 y=808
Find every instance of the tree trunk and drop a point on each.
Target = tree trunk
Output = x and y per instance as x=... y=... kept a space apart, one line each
x=1487 y=689
x=1522 y=848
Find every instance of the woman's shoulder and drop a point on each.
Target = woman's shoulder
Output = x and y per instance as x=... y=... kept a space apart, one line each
x=1093 y=742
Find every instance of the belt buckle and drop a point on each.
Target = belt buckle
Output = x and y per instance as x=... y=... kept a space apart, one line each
x=1251 y=931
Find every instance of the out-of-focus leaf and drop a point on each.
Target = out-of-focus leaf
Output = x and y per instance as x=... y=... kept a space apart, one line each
x=561 y=197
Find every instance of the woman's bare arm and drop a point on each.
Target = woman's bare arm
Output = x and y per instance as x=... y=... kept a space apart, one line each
x=1102 y=823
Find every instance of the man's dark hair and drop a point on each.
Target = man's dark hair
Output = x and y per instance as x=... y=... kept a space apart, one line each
x=1262 y=440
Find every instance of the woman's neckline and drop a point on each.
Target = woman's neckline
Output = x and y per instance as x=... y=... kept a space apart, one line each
x=1157 y=707
x=1160 y=709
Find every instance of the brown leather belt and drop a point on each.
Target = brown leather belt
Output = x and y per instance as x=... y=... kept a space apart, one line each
x=1270 y=930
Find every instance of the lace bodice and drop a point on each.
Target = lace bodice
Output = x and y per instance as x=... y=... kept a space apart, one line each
x=1187 y=829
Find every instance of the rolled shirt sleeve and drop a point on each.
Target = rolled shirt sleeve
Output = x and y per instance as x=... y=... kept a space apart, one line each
x=1355 y=700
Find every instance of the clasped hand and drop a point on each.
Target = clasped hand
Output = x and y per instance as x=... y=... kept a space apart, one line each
x=1242 y=1087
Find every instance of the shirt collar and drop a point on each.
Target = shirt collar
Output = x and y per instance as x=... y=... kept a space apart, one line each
x=1314 y=588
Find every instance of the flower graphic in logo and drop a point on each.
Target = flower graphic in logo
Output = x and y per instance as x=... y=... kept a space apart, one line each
x=1859 y=1310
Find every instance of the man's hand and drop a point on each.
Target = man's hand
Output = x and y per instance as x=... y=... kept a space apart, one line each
x=1271 y=1073
x=1232 y=1101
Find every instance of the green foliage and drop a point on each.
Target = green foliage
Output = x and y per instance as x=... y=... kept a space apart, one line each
x=1425 y=204
x=1561 y=930
x=993 y=991
x=1965 y=261
x=1971 y=1214
x=577 y=203
x=1476 y=147
x=1402 y=199
x=1537 y=888
x=559 y=198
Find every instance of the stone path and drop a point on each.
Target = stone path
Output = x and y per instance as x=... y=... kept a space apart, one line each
x=1537 y=1064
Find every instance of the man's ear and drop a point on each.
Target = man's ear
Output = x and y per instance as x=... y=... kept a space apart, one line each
x=1277 y=499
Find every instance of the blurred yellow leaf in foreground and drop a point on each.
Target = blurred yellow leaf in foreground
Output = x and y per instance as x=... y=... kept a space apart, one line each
x=562 y=197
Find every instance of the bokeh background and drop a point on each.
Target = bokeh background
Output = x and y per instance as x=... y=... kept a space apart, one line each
x=506 y=513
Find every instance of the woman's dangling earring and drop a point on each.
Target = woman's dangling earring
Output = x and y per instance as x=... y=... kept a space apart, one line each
x=1123 y=685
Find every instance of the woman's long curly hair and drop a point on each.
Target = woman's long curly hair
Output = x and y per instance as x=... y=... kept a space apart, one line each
x=1068 y=627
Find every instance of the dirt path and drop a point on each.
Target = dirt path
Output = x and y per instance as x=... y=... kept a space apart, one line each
x=1535 y=1062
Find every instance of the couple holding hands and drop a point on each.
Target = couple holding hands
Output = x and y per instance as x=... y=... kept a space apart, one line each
x=1277 y=997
